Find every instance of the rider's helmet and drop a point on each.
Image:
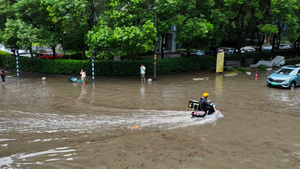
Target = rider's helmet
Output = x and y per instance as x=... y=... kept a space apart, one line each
x=205 y=94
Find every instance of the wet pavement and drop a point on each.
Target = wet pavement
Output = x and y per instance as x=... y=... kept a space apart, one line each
x=40 y=120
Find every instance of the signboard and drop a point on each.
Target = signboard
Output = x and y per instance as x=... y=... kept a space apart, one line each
x=220 y=62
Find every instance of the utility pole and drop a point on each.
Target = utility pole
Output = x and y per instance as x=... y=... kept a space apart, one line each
x=155 y=44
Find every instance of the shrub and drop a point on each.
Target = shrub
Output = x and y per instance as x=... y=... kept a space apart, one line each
x=65 y=56
x=74 y=56
x=263 y=67
x=231 y=69
x=242 y=69
x=107 y=67
x=292 y=61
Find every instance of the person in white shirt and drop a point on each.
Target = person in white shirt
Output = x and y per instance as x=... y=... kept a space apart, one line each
x=143 y=72
x=83 y=76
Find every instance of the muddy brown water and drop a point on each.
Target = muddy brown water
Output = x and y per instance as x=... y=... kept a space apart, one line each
x=55 y=123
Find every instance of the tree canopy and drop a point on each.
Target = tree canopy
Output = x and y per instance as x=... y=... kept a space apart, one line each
x=126 y=28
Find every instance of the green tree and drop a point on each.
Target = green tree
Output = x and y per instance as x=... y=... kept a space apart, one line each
x=79 y=17
x=195 y=33
x=192 y=21
x=125 y=29
x=240 y=15
x=27 y=35
x=285 y=14
x=6 y=12
x=10 y=35
x=38 y=14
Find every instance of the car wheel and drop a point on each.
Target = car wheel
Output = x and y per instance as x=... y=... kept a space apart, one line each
x=292 y=86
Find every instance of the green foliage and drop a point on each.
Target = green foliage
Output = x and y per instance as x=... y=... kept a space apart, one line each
x=292 y=61
x=242 y=69
x=269 y=29
x=263 y=67
x=231 y=69
x=74 y=55
x=192 y=30
x=10 y=33
x=106 y=67
x=123 y=41
x=4 y=55
x=126 y=27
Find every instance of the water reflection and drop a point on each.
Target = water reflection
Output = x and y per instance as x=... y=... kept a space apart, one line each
x=19 y=121
x=3 y=90
x=33 y=112
x=93 y=94
x=60 y=153
x=83 y=92
x=285 y=95
x=142 y=90
x=219 y=85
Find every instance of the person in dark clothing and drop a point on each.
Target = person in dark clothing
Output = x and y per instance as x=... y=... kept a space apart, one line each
x=204 y=104
x=2 y=72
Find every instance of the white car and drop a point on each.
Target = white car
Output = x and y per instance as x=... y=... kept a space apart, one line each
x=267 y=47
x=284 y=46
x=2 y=48
x=247 y=49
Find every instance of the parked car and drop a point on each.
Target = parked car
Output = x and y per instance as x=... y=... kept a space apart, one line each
x=247 y=49
x=197 y=53
x=47 y=55
x=284 y=46
x=285 y=77
x=2 y=48
x=194 y=53
x=227 y=50
x=266 y=47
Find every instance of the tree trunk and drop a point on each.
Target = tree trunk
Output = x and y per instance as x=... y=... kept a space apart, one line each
x=162 y=46
x=83 y=49
x=261 y=39
x=30 y=50
x=54 y=52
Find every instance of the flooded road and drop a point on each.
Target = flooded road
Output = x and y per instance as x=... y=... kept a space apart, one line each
x=58 y=124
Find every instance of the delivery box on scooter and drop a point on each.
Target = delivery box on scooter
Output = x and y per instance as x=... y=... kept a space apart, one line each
x=193 y=104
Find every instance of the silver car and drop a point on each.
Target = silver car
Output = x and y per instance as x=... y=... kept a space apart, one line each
x=247 y=49
x=284 y=46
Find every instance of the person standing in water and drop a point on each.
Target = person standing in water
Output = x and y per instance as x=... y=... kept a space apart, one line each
x=143 y=72
x=2 y=72
x=83 y=76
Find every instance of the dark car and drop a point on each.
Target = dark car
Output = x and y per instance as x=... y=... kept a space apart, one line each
x=227 y=50
x=197 y=53
x=47 y=55
x=194 y=53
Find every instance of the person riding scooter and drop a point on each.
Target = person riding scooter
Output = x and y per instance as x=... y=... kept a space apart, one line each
x=205 y=105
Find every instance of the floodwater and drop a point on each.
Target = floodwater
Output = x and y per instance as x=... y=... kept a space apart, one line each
x=53 y=123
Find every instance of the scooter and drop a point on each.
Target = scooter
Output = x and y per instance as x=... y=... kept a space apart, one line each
x=198 y=112
x=75 y=80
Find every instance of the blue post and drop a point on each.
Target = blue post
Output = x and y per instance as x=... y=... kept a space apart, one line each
x=93 y=70
x=17 y=61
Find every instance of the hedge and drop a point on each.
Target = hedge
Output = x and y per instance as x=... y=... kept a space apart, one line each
x=292 y=61
x=107 y=67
